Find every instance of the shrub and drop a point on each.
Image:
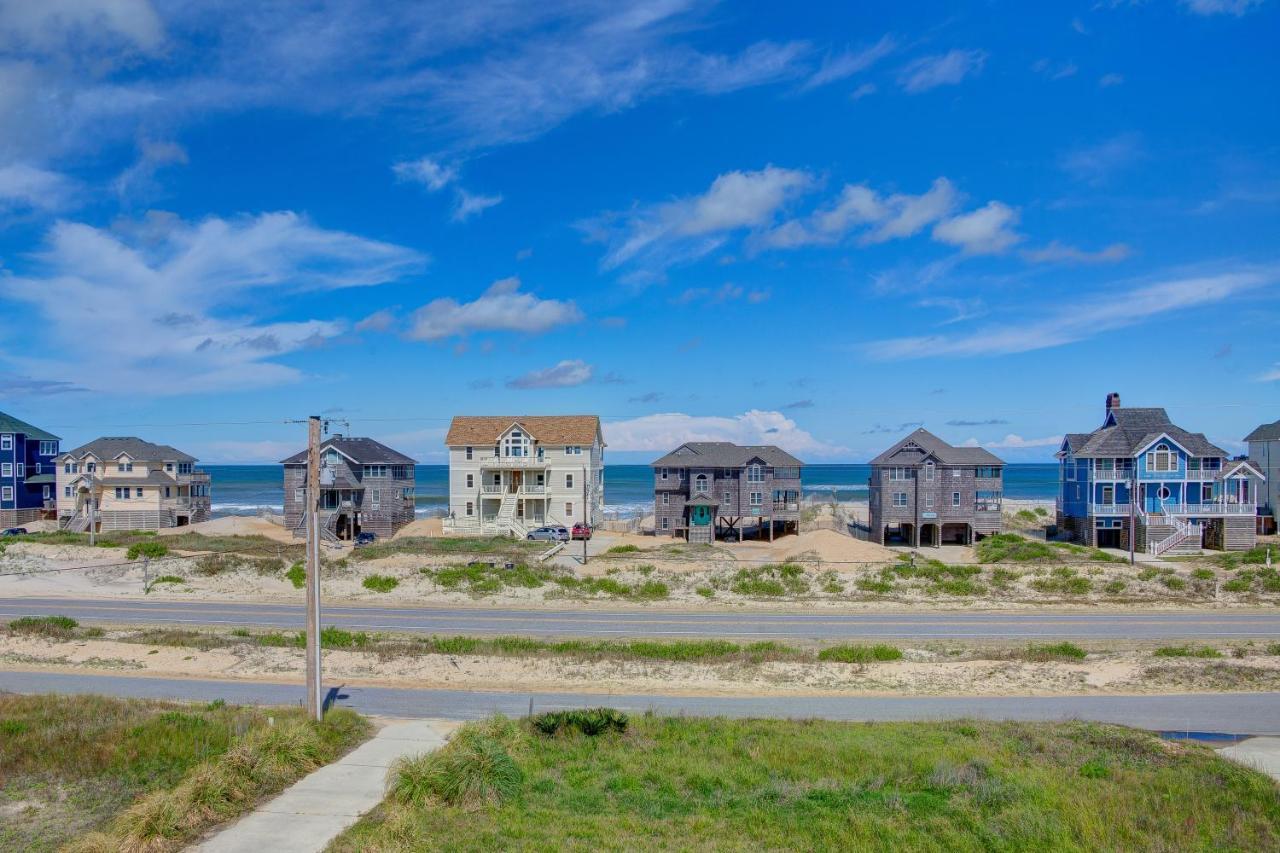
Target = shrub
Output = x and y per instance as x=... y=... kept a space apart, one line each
x=623 y=549
x=705 y=591
x=1174 y=583
x=472 y=769
x=58 y=627
x=860 y=654
x=1009 y=547
x=1114 y=587
x=297 y=575
x=1203 y=574
x=1272 y=649
x=1238 y=585
x=771 y=580
x=1054 y=651
x=1187 y=652
x=881 y=585
x=651 y=591
x=1025 y=515
x=168 y=579
x=958 y=587
x=1095 y=768
x=588 y=721
x=147 y=548
x=1063 y=581
x=380 y=583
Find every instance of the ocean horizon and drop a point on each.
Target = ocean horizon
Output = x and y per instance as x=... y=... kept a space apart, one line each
x=628 y=489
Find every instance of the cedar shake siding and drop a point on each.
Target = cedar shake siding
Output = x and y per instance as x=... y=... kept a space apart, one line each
x=371 y=490
x=928 y=492
x=708 y=490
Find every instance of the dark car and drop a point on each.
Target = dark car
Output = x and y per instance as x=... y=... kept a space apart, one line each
x=366 y=538
x=580 y=531
x=14 y=531
x=549 y=534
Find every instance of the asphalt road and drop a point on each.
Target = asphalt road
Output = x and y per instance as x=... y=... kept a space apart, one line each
x=590 y=622
x=1237 y=713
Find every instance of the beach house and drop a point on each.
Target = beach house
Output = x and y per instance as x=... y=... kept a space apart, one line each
x=704 y=490
x=510 y=473
x=1140 y=474
x=26 y=471
x=365 y=486
x=125 y=483
x=924 y=491
x=1264 y=453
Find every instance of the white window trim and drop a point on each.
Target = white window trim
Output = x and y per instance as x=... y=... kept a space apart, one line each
x=7 y=494
x=928 y=471
x=955 y=499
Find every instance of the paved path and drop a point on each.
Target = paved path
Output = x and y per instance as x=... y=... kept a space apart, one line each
x=1260 y=753
x=311 y=813
x=591 y=622
x=1236 y=713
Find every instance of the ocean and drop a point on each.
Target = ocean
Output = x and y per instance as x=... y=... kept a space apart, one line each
x=628 y=489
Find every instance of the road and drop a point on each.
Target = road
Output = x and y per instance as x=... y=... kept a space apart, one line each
x=1237 y=713
x=590 y=622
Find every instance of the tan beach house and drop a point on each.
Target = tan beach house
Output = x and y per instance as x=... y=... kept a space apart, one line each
x=125 y=483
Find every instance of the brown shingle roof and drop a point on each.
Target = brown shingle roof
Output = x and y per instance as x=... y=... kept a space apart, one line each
x=547 y=429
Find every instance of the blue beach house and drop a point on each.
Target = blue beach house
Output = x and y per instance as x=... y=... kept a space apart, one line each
x=1139 y=473
x=26 y=471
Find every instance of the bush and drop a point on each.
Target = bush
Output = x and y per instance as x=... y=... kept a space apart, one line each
x=1054 y=651
x=1063 y=581
x=651 y=591
x=705 y=592
x=150 y=548
x=771 y=580
x=881 y=585
x=297 y=575
x=1114 y=587
x=1272 y=649
x=472 y=769
x=58 y=627
x=1187 y=652
x=1203 y=574
x=623 y=549
x=168 y=579
x=1148 y=574
x=1174 y=583
x=1025 y=515
x=589 y=721
x=380 y=583
x=860 y=654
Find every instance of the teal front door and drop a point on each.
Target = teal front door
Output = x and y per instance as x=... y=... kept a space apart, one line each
x=700 y=516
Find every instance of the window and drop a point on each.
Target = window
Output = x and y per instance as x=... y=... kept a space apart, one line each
x=48 y=492
x=928 y=471
x=1162 y=459
x=1206 y=492
x=900 y=473
x=139 y=491
x=91 y=467
x=928 y=501
x=666 y=499
x=955 y=473
x=987 y=472
x=757 y=498
x=568 y=509
x=124 y=465
x=407 y=493
x=48 y=448
x=515 y=444
x=470 y=506
x=122 y=494
x=701 y=484
x=6 y=469
x=1108 y=495
x=568 y=481
x=375 y=471
x=728 y=498
x=6 y=442
x=167 y=492
x=377 y=498
x=22 y=469
x=666 y=523
x=70 y=468
x=755 y=473
x=168 y=466
x=662 y=473
x=469 y=453
x=66 y=491
x=899 y=498
x=955 y=499
x=185 y=467
x=788 y=473
x=1164 y=493
x=986 y=501
x=573 y=450
x=7 y=494
x=471 y=480
x=299 y=495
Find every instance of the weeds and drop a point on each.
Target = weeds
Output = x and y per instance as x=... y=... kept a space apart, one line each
x=55 y=627
x=297 y=575
x=1054 y=651
x=380 y=583
x=474 y=768
x=1187 y=652
x=860 y=654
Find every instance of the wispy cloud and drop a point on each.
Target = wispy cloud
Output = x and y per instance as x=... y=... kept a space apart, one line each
x=985 y=231
x=426 y=171
x=892 y=429
x=663 y=432
x=1221 y=7
x=800 y=404
x=847 y=63
x=469 y=204
x=1109 y=309
x=944 y=69
x=987 y=422
x=1106 y=81
x=1272 y=375
x=564 y=374
x=503 y=307
x=1016 y=442
x=1056 y=252
x=1096 y=164
x=24 y=187
x=153 y=155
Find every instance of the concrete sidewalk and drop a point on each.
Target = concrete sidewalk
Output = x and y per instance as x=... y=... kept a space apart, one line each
x=311 y=813
x=1260 y=753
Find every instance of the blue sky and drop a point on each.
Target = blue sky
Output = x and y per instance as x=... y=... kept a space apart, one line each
x=818 y=227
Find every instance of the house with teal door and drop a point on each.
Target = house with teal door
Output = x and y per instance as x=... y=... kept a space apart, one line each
x=1140 y=475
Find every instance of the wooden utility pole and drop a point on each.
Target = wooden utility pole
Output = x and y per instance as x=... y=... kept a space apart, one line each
x=315 y=704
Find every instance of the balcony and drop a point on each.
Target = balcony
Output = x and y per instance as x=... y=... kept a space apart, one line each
x=1214 y=509
x=520 y=462
x=1109 y=509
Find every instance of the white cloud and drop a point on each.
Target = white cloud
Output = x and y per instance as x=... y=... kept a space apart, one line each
x=1109 y=309
x=501 y=308
x=945 y=69
x=1272 y=375
x=850 y=62
x=181 y=297
x=1221 y=7
x=266 y=452
x=24 y=187
x=662 y=433
x=690 y=227
x=430 y=173
x=985 y=231
x=54 y=24
x=152 y=156
x=1106 y=81
x=1012 y=441
x=473 y=204
x=863 y=91
x=378 y=321
x=1056 y=252
x=565 y=374
x=1095 y=164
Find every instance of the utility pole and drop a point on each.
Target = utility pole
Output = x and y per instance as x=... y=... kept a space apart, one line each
x=315 y=705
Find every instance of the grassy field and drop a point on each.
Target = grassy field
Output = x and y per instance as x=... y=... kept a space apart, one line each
x=132 y=774
x=704 y=784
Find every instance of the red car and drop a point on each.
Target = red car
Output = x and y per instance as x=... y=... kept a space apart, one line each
x=580 y=531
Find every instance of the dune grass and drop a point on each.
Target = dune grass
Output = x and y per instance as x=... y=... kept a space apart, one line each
x=91 y=764
x=497 y=546
x=716 y=784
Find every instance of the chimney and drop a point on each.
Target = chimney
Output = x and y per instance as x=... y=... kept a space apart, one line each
x=1113 y=401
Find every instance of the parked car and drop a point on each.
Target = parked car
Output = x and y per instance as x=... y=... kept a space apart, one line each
x=580 y=531
x=549 y=534
x=366 y=537
x=14 y=531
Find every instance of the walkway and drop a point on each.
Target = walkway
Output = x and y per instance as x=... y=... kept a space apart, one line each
x=307 y=816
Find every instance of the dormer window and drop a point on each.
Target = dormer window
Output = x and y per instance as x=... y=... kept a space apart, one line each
x=1162 y=458
x=331 y=457
x=516 y=444
x=124 y=464
x=755 y=473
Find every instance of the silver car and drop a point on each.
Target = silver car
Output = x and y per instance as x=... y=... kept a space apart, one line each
x=549 y=534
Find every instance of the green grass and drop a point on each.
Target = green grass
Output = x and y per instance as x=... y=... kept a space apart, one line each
x=717 y=784
x=168 y=579
x=1012 y=548
x=1054 y=651
x=1062 y=581
x=860 y=654
x=94 y=763
x=56 y=627
x=380 y=583
x=498 y=546
x=297 y=575
x=149 y=548
x=623 y=549
x=770 y=581
x=1187 y=652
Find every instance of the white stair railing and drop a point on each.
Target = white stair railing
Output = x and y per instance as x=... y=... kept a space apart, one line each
x=1182 y=531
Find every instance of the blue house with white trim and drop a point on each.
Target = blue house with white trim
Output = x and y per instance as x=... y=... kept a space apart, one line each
x=1140 y=474
x=26 y=471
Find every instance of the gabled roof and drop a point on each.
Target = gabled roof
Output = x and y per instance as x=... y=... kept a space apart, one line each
x=947 y=454
x=724 y=454
x=551 y=430
x=109 y=447
x=1266 y=432
x=8 y=424
x=1127 y=432
x=361 y=451
x=1230 y=468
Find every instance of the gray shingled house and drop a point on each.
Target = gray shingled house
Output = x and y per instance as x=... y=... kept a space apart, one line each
x=1264 y=453
x=706 y=489
x=364 y=486
x=927 y=492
